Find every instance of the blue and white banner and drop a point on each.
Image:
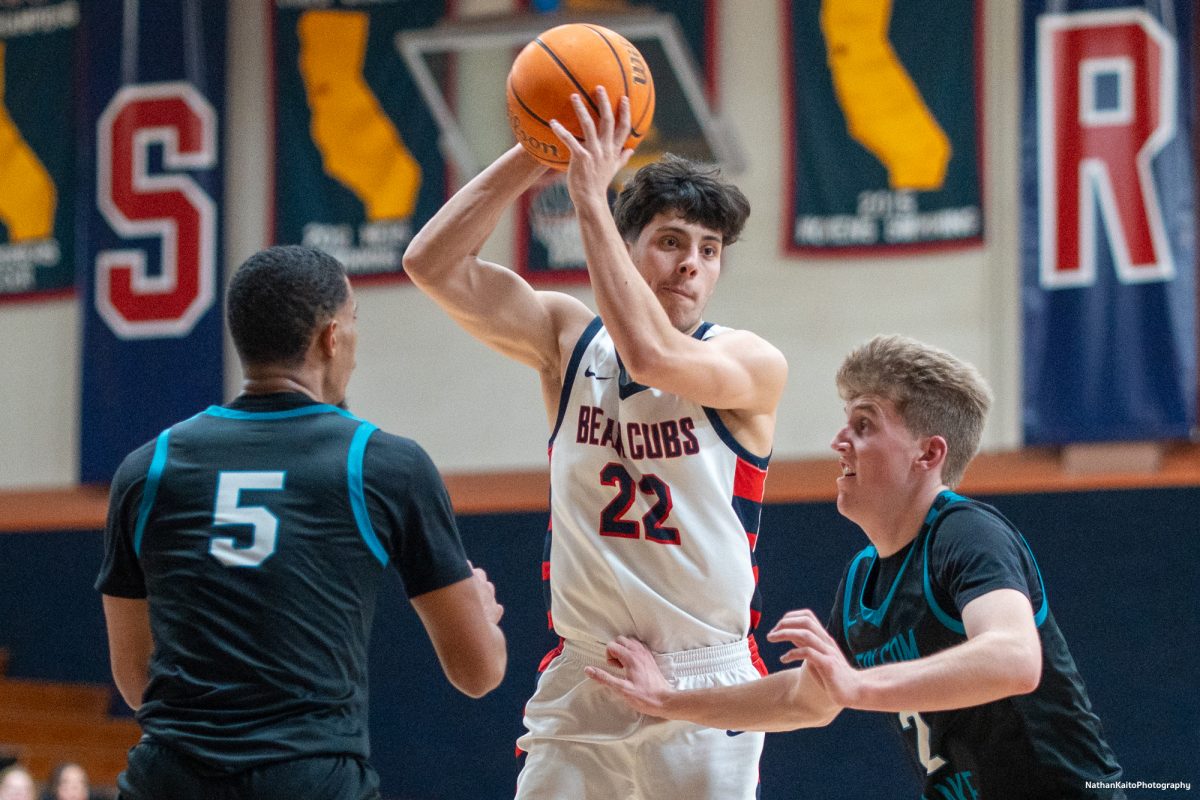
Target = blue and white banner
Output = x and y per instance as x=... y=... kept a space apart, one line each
x=151 y=285
x=1108 y=221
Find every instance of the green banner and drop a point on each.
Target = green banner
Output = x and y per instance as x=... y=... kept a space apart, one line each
x=358 y=167
x=37 y=141
x=884 y=126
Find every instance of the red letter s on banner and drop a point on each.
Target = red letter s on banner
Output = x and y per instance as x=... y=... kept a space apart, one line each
x=171 y=207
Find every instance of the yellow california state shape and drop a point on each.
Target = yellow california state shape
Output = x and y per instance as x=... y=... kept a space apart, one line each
x=27 y=194
x=359 y=146
x=884 y=110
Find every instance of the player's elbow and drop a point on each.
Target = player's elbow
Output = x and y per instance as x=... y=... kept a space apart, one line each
x=1024 y=667
x=480 y=676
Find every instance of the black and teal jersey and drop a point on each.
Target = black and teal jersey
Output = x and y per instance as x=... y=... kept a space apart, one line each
x=259 y=532
x=1047 y=744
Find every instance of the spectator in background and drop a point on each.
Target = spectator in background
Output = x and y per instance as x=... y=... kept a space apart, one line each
x=16 y=784
x=68 y=781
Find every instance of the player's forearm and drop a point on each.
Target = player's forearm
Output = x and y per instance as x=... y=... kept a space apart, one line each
x=981 y=670
x=462 y=226
x=778 y=702
x=632 y=314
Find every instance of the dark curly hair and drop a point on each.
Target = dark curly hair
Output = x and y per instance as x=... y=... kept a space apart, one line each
x=278 y=298
x=695 y=191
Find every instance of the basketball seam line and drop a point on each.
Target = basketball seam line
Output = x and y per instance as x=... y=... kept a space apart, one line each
x=531 y=113
x=616 y=57
x=583 y=93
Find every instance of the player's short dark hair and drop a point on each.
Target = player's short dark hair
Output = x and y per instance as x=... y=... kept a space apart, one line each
x=695 y=191
x=278 y=298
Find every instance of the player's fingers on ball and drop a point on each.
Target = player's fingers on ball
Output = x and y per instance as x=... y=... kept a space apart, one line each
x=606 y=115
x=586 y=123
x=624 y=120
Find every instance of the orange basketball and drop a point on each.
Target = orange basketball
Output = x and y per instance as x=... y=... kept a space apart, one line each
x=575 y=58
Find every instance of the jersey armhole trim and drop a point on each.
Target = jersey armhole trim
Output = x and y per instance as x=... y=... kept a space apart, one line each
x=585 y=339
x=848 y=589
x=153 y=477
x=358 y=499
x=956 y=625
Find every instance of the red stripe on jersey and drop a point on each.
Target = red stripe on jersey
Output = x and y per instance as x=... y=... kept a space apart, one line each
x=549 y=621
x=755 y=618
x=748 y=481
x=553 y=654
x=755 y=658
x=545 y=570
x=753 y=539
x=754 y=569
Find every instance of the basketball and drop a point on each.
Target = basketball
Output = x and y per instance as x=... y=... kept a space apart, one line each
x=575 y=58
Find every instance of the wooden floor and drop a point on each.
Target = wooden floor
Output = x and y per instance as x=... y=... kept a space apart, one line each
x=1033 y=470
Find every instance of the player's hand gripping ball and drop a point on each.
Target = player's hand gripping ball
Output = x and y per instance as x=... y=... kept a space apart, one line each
x=575 y=59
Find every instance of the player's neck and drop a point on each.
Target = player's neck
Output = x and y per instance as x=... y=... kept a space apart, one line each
x=271 y=379
x=892 y=532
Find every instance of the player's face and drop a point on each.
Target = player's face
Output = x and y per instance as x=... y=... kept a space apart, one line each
x=681 y=262
x=876 y=453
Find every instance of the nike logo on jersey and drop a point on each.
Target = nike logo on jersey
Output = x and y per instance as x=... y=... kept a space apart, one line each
x=587 y=373
x=734 y=733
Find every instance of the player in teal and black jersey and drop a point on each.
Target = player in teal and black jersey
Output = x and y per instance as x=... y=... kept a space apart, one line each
x=243 y=551
x=942 y=622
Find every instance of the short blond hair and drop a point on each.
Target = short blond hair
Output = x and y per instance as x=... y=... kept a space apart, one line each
x=935 y=393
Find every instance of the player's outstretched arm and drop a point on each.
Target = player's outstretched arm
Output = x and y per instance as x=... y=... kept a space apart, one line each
x=1002 y=657
x=462 y=621
x=783 y=701
x=493 y=303
x=130 y=645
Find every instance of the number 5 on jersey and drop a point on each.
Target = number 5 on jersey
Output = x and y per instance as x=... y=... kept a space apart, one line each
x=228 y=512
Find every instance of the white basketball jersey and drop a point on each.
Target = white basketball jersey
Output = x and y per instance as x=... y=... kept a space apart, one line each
x=654 y=511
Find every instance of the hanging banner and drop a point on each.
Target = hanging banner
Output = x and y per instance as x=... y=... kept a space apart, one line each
x=37 y=148
x=153 y=90
x=358 y=170
x=549 y=248
x=1108 y=220
x=883 y=126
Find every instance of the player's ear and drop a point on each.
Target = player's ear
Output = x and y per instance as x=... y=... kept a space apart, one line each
x=327 y=338
x=933 y=453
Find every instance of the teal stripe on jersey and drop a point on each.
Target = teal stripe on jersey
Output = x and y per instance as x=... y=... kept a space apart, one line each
x=157 y=464
x=303 y=411
x=358 y=500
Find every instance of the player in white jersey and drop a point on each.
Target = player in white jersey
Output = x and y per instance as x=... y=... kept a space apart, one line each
x=661 y=429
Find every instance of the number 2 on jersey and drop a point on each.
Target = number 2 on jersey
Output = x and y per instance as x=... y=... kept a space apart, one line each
x=931 y=762
x=612 y=518
x=227 y=512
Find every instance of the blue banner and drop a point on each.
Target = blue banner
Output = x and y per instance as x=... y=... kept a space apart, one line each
x=37 y=147
x=1108 y=220
x=152 y=95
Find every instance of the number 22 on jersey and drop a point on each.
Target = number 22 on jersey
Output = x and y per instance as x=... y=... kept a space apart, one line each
x=228 y=511
x=612 y=518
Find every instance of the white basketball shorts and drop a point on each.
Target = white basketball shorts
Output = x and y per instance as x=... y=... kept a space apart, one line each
x=584 y=743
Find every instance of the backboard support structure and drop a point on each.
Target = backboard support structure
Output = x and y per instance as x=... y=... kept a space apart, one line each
x=684 y=122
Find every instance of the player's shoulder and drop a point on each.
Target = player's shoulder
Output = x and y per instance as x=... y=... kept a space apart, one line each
x=971 y=526
x=741 y=340
x=396 y=457
x=136 y=464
